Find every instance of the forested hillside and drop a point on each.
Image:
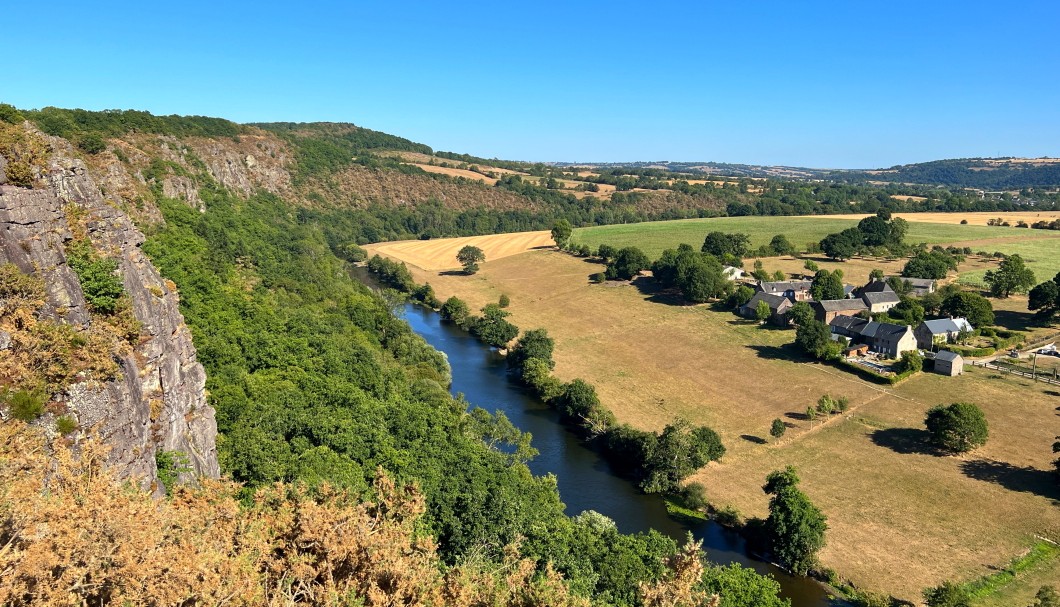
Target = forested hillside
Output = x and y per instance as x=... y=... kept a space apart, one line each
x=980 y=173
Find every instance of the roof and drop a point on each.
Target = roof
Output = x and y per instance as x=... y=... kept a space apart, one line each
x=939 y=326
x=848 y=289
x=866 y=328
x=948 y=356
x=920 y=283
x=874 y=297
x=850 y=323
x=877 y=286
x=775 y=302
x=787 y=285
x=838 y=305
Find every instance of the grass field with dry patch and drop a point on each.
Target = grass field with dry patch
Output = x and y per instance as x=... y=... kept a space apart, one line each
x=901 y=518
x=440 y=253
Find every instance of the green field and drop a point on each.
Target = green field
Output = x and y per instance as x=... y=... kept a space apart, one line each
x=1040 y=248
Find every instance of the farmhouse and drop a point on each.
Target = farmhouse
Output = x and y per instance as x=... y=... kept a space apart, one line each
x=940 y=331
x=880 y=302
x=778 y=307
x=885 y=338
x=795 y=290
x=828 y=309
x=949 y=363
x=920 y=286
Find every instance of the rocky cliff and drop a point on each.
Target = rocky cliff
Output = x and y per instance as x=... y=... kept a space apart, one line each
x=156 y=401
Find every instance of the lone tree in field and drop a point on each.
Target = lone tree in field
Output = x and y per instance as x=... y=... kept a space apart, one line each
x=959 y=427
x=469 y=257
x=778 y=428
x=795 y=526
x=561 y=232
x=1011 y=276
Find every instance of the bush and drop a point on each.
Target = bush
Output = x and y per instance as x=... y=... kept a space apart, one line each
x=25 y=405
x=598 y=278
x=504 y=301
x=170 y=465
x=960 y=427
x=728 y=516
x=98 y=276
x=947 y=595
x=912 y=362
x=694 y=496
x=91 y=143
x=65 y=424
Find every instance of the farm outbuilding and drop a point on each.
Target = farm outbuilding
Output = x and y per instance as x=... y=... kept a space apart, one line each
x=949 y=363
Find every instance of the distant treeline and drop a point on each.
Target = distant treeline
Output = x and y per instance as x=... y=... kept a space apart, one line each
x=965 y=173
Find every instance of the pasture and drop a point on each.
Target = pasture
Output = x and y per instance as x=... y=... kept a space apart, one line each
x=901 y=516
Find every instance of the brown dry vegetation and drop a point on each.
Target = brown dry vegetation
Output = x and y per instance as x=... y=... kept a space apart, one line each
x=976 y=219
x=394 y=188
x=72 y=535
x=440 y=253
x=455 y=173
x=901 y=520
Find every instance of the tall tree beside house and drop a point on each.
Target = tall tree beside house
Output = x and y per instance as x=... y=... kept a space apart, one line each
x=974 y=307
x=800 y=313
x=722 y=245
x=762 y=311
x=1011 y=276
x=795 y=526
x=1045 y=298
x=815 y=338
x=827 y=285
x=469 y=257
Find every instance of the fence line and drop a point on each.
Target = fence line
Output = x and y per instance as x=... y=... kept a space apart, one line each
x=1014 y=371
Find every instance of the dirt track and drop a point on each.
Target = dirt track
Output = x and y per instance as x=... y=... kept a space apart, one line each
x=440 y=253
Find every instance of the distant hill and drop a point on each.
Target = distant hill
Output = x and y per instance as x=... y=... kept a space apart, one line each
x=992 y=174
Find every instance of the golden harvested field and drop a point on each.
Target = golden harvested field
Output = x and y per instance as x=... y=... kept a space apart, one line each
x=901 y=519
x=440 y=253
x=975 y=219
x=455 y=172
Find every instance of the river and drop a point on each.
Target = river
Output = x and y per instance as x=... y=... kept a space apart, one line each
x=586 y=481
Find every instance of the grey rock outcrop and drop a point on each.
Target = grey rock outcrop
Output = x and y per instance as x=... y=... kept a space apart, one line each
x=158 y=401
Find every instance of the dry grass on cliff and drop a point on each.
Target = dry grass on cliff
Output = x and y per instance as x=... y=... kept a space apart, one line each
x=70 y=534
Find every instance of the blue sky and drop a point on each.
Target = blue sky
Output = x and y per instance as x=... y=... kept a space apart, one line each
x=828 y=84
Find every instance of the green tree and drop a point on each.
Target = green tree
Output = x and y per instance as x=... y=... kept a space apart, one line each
x=781 y=245
x=800 y=313
x=534 y=343
x=606 y=252
x=778 y=428
x=739 y=586
x=454 y=310
x=811 y=266
x=974 y=307
x=876 y=274
x=504 y=301
x=909 y=311
x=815 y=338
x=911 y=362
x=720 y=244
x=1011 y=276
x=561 y=233
x=947 y=595
x=1047 y=596
x=1045 y=298
x=827 y=285
x=628 y=262
x=795 y=526
x=469 y=257
x=492 y=328
x=762 y=311
x=741 y=295
x=680 y=450
x=841 y=245
x=959 y=427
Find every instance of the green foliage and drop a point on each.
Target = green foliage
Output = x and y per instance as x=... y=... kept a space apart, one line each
x=170 y=465
x=911 y=362
x=72 y=124
x=599 y=277
x=909 y=311
x=98 y=276
x=814 y=338
x=762 y=311
x=827 y=285
x=65 y=424
x=698 y=275
x=974 y=307
x=936 y=264
x=947 y=595
x=392 y=273
x=606 y=252
x=959 y=427
x=628 y=262
x=720 y=244
x=26 y=405
x=811 y=266
x=741 y=295
x=91 y=143
x=561 y=232
x=425 y=294
x=678 y=451
x=1045 y=298
x=777 y=428
x=740 y=586
x=533 y=344
x=455 y=310
x=491 y=328
x=469 y=257
x=781 y=245
x=10 y=114
x=795 y=526
x=1011 y=276
x=842 y=245
x=504 y=301
x=351 y=252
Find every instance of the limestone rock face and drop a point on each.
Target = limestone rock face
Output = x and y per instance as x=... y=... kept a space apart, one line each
x=158 y=401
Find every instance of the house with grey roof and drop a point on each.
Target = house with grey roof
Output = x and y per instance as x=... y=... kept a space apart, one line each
x=949 y=363
x=880 y=301
x=932 y=333
x=826 y=310
x=918 y=286
x=778 y=308
x=885 y=338
x=795 y=290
